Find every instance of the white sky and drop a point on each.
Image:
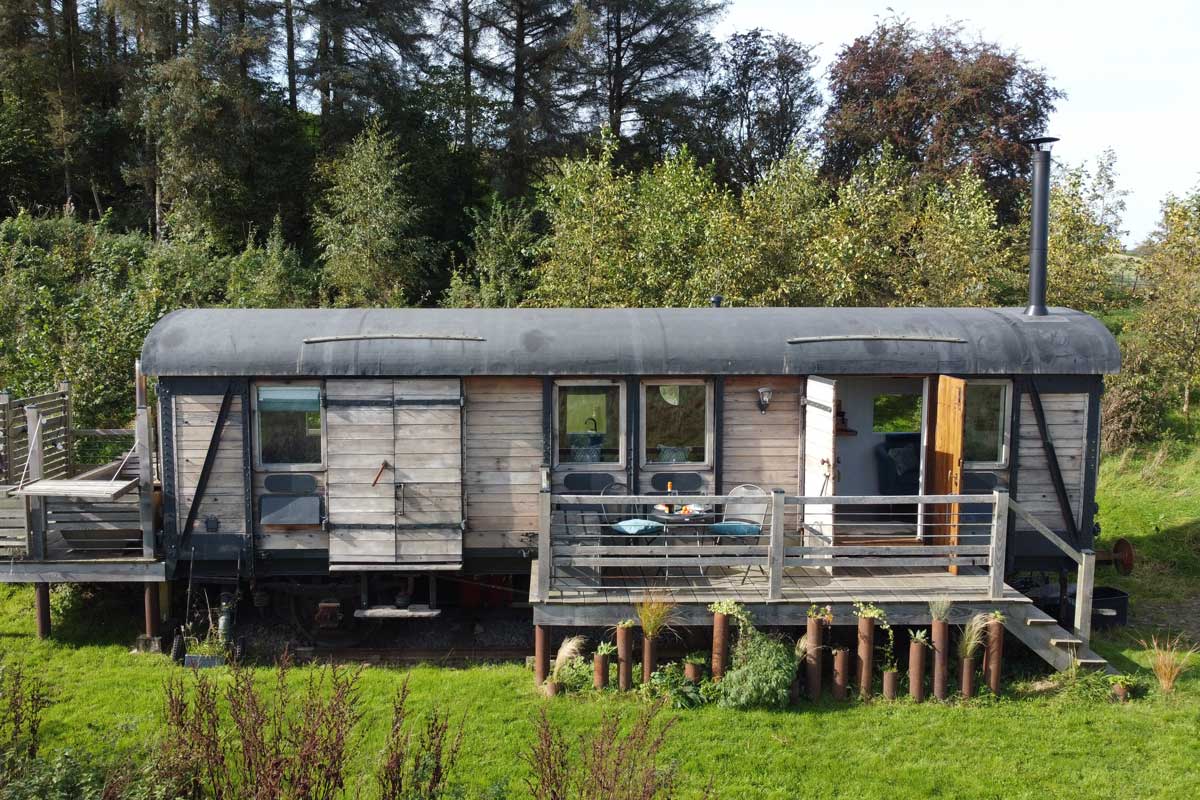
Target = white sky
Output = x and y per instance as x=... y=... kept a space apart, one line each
x=1131 y=71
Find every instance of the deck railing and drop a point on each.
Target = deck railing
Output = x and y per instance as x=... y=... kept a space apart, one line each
x=596 y=544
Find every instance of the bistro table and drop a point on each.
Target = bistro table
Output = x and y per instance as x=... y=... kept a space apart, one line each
x=701 y=516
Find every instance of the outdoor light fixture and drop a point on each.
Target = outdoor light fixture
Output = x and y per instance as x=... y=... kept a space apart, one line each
x=764 y=399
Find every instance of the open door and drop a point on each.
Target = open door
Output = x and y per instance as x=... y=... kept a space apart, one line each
x=945 y=474
x=820 y=457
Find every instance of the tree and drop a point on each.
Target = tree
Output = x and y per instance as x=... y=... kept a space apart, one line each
x=1085 y=234
x=763 y=102
x=638 y=51
x=364 y=225
x=942 y=102
x=499 y=270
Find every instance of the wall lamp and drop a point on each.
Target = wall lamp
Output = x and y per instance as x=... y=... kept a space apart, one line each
x=764 y=399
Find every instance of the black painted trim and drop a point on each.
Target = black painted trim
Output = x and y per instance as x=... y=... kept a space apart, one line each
x=209 y=457
x=548 y=422
x=633 y=451
x=246 y=564
x=1091 y=465
x=166 y=422
x=718 y=430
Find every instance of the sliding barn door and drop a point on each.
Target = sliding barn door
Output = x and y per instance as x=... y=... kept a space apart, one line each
x=428 y=475
x=360 y=492
x=947 y=469
x=394 y=481
x=820 y=455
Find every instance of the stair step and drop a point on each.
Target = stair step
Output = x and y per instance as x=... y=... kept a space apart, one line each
x=1091 y=662
x=1031 y=621
x=1066 y=642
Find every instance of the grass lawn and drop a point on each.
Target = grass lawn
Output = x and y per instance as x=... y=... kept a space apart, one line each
x=1023 y=745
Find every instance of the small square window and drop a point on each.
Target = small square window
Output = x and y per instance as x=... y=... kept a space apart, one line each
x=589 y=424
x=289 y=426
x=676 y=423
x=985 y=424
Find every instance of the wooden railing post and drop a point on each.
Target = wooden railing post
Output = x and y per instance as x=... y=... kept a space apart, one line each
x=1083 y=595
x=545 y=557
x=775 y=549
x=35 y=510
x=68 y=420
x=999 y=543
x=5 y=438
x=142 y=437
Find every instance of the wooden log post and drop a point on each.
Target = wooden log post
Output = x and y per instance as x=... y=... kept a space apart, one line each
x=812 y=659
x=151 y=608
x=41 y=602
x=994 y=655
x=841 y=672
x=649 y=658
x=541 y=655
x=720 y=645
x=866 y=657
x=599 y=671
x=916 y=671
x=967 y=678
x=624 y=658
x=941 y=659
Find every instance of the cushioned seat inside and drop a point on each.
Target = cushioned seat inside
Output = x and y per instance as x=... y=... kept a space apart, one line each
x=638 y=527
x=735 y=528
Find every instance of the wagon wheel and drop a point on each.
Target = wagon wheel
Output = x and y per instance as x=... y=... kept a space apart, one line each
x=318 y=622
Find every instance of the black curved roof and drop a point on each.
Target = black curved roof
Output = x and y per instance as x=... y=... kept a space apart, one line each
x=640 y=341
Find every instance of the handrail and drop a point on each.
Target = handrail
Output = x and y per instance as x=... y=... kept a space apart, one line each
x=1086 y=559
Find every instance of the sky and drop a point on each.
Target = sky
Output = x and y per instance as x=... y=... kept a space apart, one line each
x=1131 y=72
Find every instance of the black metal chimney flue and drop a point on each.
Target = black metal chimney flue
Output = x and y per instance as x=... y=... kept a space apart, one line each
x=1040 y=227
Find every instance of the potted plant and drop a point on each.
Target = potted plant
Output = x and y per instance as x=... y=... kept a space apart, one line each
x=994 y=654
x=205 y=651
x=600 y=660
x=568 y=651
x=655 y=613
x=625 y=654
x=891 y=670
x=1122 y=687
x=939 y=611
x=722 y=610
x=917 y=645
x=818 y=618
x=841 y=671
x=868 y=615
x=968 y=646
x=693 y=667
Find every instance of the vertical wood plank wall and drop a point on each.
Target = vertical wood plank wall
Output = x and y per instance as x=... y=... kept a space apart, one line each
x=359 y=438
x=428 y=418
x=225 y=495
x=1066 y=421
x=762 y=449
x=503 y=460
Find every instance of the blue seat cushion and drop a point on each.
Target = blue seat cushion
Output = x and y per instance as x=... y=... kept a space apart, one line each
x=735 y=528
x=638 y=527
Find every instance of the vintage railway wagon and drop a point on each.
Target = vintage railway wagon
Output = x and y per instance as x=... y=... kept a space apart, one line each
x=356 y=459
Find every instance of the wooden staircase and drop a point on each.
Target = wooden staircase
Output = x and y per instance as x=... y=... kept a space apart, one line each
x=1044 y=636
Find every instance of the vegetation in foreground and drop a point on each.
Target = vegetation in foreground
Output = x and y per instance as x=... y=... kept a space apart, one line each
x=108 y=706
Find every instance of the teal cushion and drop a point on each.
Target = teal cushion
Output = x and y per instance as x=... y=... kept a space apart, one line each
x=734 y=528
x=638 y=527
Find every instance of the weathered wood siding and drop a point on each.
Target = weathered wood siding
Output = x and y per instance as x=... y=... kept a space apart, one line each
x=12 y=523
x=195 y=417
x=503 y=461
x=428 y=462
x=1066 y=421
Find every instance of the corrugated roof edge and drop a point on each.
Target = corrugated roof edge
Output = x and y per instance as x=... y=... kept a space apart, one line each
x=655 y=341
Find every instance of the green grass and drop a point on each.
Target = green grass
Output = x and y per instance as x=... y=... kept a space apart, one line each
x=108 y=700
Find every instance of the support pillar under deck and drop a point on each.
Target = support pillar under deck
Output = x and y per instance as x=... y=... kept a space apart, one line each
x=541 y=655
x=151 y=608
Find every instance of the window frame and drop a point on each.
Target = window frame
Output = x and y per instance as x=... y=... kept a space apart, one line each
x=622 y=412
x=710 y=434
x=256 y=429
x=1005 y=421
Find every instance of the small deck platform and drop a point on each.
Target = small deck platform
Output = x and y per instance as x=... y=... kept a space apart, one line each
x=904 y=592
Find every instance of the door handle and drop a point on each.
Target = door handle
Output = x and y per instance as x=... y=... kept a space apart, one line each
x=400 y=498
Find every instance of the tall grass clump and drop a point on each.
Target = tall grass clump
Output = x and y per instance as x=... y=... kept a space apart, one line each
x=1170 y=658
x=972 y=636
x=656 y=614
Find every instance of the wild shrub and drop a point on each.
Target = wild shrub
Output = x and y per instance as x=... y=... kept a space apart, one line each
x=762 y=672
x=420 y=768
x=23 y=699
x=610 y=764
x=1170 y=658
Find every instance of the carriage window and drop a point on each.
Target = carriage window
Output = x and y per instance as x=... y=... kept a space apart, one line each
x=589 y=424
x=676 y=423
x=985 y=424
x=289 y=426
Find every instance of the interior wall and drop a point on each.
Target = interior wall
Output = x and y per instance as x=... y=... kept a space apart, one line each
x=856 y=454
